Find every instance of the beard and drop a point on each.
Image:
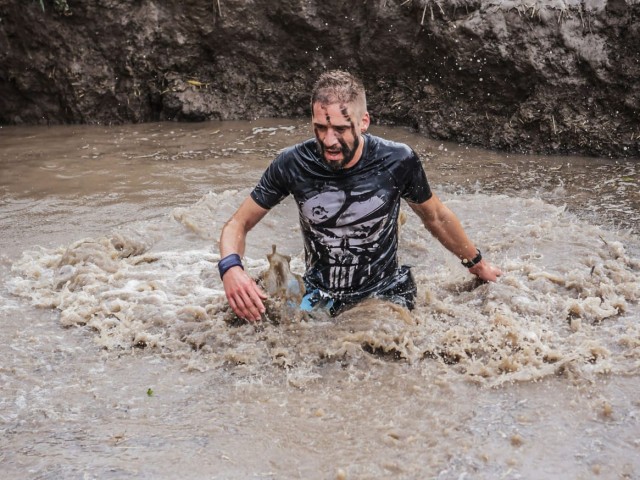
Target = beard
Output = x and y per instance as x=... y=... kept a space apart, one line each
x=347 y=154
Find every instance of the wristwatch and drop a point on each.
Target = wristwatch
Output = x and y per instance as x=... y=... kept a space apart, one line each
x=476 y=260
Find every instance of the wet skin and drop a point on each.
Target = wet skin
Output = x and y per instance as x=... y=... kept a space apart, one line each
x=337 y=130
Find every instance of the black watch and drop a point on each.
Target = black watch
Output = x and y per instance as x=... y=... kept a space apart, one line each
x=476 y=260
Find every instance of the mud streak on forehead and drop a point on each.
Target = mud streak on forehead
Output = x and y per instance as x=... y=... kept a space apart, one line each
x=324 y=107
x=345 y=113
x=344 y=110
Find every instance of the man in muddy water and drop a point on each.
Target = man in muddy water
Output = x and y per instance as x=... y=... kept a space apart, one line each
x=347 y=184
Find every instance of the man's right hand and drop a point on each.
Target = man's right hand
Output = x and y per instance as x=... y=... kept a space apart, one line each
x=244 y=295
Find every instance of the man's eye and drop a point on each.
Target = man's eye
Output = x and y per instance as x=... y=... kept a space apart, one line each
x=341 y=130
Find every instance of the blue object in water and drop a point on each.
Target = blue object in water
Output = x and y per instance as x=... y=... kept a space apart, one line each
x=315 y=299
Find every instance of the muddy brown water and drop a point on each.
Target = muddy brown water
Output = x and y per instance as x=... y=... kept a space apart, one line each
x=117 y=359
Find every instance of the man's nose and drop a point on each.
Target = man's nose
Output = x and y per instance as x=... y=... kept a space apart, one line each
x=330 y=138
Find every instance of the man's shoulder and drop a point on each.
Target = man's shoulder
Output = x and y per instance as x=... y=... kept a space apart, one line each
x=389 y=149
x=299 y=151
x=295 y=162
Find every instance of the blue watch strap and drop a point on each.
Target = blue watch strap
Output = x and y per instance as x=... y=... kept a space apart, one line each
x=228 y=262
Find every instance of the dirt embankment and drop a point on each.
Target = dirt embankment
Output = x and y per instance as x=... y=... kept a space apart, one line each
x=552 y=76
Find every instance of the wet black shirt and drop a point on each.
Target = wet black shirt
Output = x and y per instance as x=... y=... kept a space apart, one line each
x=349 y=218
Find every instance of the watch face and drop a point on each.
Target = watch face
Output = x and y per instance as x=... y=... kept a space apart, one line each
x=471 y=263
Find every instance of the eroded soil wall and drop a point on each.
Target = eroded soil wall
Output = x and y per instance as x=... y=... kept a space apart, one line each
x=553 y=76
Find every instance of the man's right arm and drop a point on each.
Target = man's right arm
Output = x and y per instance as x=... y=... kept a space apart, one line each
x=243 y=294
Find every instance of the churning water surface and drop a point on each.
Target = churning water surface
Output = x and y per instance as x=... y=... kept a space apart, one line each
x=119 y=357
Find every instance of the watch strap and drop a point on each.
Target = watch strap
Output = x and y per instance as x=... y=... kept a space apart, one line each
x=474 y=261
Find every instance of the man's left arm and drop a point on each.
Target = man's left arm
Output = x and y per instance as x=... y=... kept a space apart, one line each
x=446 y=227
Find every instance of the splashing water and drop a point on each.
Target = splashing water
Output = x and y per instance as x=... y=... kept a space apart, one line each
x=111 y=292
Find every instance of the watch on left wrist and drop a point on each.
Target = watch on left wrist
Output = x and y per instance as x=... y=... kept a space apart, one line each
x=474 y=261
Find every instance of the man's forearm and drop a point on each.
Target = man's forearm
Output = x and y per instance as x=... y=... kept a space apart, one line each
x=445 y=226
x=232 y=239
x=234 y=233
x=449 y=232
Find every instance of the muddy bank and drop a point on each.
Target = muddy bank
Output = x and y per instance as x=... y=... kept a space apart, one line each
x=560 y=76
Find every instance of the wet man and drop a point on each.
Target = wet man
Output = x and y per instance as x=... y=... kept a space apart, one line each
x=347 y=185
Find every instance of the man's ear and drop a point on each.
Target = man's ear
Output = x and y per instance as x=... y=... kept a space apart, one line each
x=364 y=123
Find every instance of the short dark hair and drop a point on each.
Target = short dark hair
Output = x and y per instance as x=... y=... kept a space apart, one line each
x=337 y=86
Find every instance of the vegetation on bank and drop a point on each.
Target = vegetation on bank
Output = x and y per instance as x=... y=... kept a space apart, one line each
x=59 y=6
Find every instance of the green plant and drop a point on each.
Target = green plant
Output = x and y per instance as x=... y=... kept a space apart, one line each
x=59 y=6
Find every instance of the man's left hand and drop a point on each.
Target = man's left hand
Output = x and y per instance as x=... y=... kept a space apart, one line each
x=485 y=271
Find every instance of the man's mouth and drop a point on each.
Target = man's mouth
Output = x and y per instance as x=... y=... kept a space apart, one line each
x=333 y=152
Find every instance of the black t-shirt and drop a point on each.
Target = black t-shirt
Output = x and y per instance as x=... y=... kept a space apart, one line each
x=349 y=218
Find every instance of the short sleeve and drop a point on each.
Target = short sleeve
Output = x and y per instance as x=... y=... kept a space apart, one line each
x=272 y=187
x=416 y=186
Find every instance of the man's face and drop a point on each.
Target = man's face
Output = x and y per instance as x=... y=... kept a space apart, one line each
x=338 y=131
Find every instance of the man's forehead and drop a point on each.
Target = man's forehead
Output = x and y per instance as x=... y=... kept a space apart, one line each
x=333 y=111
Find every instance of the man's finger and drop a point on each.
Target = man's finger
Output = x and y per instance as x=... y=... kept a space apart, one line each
x=257 y=296
x=251 y=309
x=239 y=307
x=261 y=293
